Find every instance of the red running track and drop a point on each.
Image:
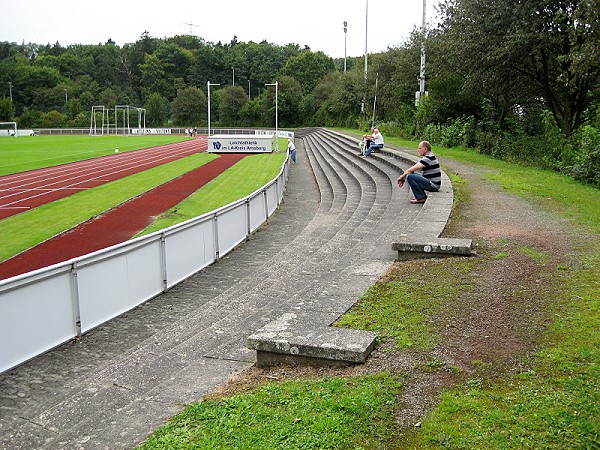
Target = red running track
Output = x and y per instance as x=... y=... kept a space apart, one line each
x=118 y=224
x=22 y=191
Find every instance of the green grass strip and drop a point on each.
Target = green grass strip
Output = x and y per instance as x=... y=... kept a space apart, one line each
x=35 y=152
x=325 y=414
x=32 y=227
x=400 y=311
x=237 y=182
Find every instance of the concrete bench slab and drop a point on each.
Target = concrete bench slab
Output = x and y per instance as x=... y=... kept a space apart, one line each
x=432 y=246
x=290 y=340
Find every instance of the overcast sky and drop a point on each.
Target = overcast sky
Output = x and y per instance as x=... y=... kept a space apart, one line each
x=317 y=24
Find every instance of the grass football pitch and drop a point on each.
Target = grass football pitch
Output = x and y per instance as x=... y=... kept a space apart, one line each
x=35 y=152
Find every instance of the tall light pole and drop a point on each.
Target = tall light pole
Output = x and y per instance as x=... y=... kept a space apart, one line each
x=375 y=100
x=276 y=84
x=364 y=100
x=419 y=95
x=208 y=85
x=10 y=90
x=345 y=42
x=66 y=97
x=233 y=76
x=366 y=35
x=248 y=89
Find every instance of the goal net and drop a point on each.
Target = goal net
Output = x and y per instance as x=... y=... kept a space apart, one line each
x=122 y=119
x=8 y=128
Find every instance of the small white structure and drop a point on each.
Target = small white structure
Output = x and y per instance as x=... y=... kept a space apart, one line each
x=122 y=122
x=245 y=143
x=8 y=128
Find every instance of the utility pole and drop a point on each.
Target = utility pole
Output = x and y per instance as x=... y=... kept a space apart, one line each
x=276 y=84
x=364 y=100
x=422 y=92
x=345 y=42
x=208 y=85
x=375 y=100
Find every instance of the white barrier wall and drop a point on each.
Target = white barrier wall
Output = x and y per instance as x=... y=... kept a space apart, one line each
x=45 y=308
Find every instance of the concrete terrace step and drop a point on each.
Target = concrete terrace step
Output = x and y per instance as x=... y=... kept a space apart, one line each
x=349 y=178
x=328 y=242
x=293 y=339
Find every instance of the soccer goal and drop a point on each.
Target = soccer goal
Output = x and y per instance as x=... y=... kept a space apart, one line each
x=8 y=129
x=122 y=119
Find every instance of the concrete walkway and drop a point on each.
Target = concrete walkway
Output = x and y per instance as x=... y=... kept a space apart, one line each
x=329 y=241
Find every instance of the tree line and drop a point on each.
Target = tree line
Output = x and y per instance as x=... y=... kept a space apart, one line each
x=518 y=80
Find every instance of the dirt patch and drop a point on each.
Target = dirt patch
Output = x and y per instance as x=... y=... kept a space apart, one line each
x=488 y=333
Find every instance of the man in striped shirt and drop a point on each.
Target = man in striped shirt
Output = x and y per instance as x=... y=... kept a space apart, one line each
x=430 y=178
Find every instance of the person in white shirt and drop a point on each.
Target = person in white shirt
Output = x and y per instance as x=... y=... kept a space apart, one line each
x=292 y=150
x=374 y=142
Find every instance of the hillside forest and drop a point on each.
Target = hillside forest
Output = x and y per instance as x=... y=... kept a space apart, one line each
x=515 y=79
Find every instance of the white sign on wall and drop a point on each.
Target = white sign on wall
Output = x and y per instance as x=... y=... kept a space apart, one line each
x=240 y=144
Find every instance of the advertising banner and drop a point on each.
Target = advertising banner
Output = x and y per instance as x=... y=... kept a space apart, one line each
x=240 y=144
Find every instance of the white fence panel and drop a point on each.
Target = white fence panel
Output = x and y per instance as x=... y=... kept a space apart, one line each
x=111 y=286
x=272 y=197
x=232 y=228
x=258 y=211
x=189 y=250
x=35 y=317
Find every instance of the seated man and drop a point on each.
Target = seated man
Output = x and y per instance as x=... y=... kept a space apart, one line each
x=430 y=178
x=374 y=141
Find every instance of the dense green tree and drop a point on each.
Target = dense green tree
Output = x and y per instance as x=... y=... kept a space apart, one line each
x=231 y=100
x=208 y=65
x=308 y=68
x=189 y=107
x=6 y=110
x=290 y=97
x=53 y=119
x=108 y=98
x=153 y=79
x=156 y=110
x=107 y=65
x=175 y=61
x=541 y=47
x=250 y=116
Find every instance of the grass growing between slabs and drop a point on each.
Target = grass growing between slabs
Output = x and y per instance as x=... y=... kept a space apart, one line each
x=552 y=404
x=35 y=152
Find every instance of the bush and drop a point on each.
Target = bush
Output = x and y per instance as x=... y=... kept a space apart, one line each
x=586 y=166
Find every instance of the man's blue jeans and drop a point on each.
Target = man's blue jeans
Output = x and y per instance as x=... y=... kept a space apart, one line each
x=419 y=184
x=372 y=147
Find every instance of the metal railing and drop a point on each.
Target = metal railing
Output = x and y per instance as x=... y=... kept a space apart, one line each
x=48 y=307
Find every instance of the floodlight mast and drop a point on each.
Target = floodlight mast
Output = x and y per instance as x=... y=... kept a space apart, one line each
x=419 y=95
x=364 y=100
x=375 y=100
x=208 y=85
x=276 y=84
x=345 y=42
